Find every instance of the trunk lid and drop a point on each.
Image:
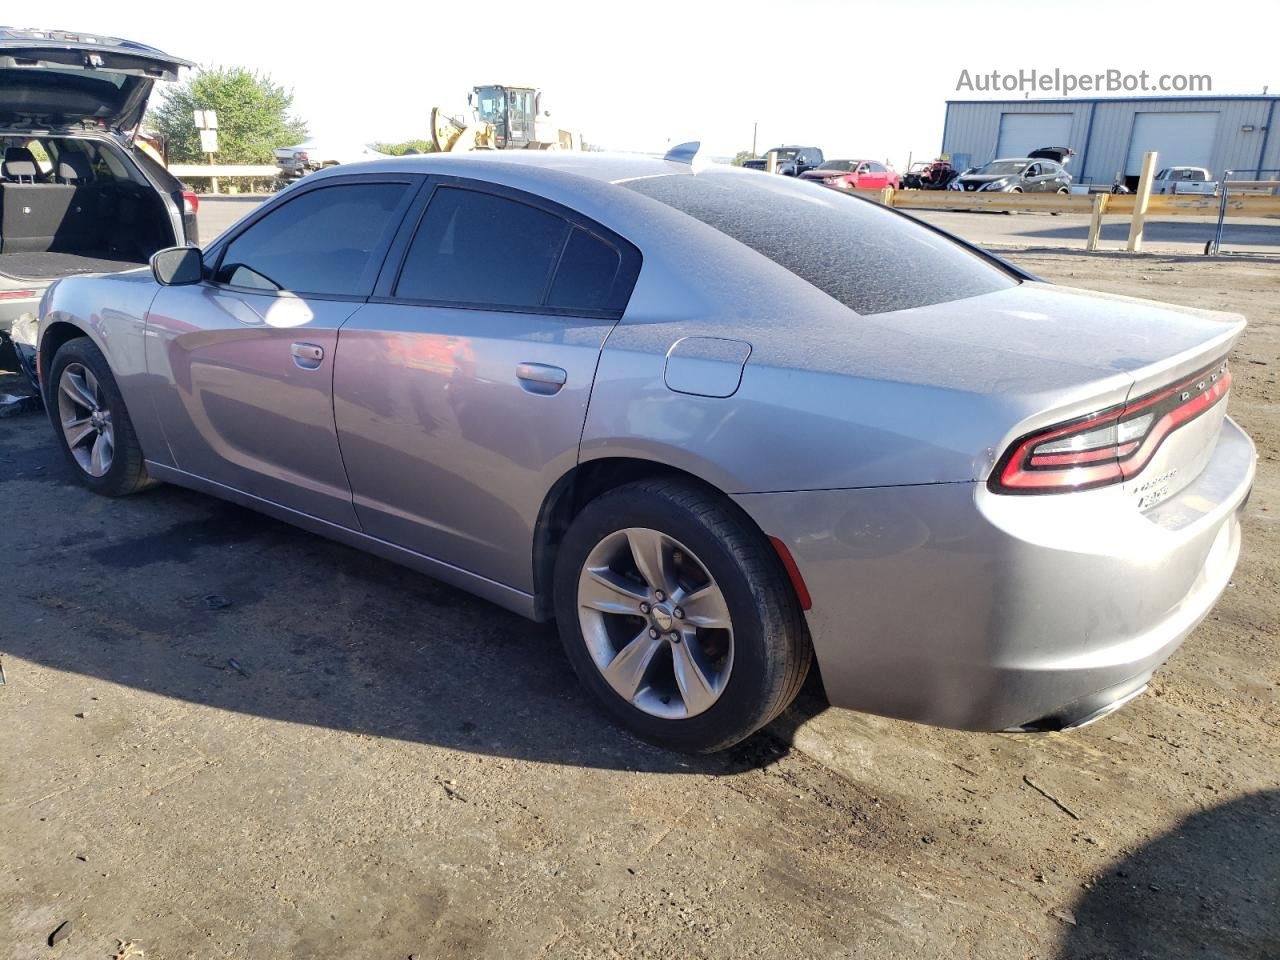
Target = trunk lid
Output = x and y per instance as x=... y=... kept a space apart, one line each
x=1064 y=354
x=55 y=80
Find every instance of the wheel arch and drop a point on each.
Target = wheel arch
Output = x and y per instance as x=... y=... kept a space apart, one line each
x=583 y=483
x=52 y=339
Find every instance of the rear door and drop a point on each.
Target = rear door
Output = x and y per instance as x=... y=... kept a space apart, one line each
x=244 y=361
x=461 y=389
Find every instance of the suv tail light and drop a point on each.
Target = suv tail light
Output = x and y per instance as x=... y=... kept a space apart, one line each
x=190 y=203
x=1109 y=446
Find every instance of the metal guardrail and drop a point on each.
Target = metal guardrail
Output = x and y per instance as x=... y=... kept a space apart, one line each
x=1095 y=205
x=228 y=170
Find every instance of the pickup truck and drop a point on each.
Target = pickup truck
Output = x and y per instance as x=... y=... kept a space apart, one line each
x=792 y=161
x=1184 y=180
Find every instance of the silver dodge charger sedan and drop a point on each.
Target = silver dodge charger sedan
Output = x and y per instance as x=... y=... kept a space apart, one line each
x=717 y=425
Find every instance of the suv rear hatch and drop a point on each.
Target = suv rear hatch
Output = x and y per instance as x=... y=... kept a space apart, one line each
x=55 y=80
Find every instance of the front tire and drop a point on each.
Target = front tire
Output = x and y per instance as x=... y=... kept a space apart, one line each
x=677 y=614
x=91 y=422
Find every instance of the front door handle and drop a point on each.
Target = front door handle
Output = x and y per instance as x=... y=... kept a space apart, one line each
x=541 y=378
x=307 y=355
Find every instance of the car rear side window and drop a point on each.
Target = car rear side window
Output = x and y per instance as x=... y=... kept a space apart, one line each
x=586 y=274
x=479 y=249
x=322 y=242
x=866 y=257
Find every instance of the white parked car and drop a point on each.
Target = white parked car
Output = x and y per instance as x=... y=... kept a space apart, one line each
x=1193 y=180
x=303 y=158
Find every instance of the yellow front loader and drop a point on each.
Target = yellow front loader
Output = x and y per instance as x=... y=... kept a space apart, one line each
x=503 y=118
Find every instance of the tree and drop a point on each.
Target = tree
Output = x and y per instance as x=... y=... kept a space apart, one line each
x=742 y=156
x=253 y=116
x=400 y=149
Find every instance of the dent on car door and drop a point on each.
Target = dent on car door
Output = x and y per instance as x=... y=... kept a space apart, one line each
x=461 y=389
x=243 y=362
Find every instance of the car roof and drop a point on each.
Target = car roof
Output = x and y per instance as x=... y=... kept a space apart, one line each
x=602 y=167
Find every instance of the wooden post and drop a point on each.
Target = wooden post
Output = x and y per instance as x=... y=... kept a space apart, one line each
x=1095 y=225
x=1140 y=202
x=213 y=187
x=886 y=196
x=771 y=162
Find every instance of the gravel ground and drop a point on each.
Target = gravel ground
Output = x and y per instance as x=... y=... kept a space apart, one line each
x=392 y=768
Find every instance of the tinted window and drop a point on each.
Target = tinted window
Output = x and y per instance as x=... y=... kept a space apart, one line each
x=321 y=242
x=876 y=167
x=585 y=277
x=478 y=248
x=870 y=259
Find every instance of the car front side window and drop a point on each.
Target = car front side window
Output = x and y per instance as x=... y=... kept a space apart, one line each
x=320 y=243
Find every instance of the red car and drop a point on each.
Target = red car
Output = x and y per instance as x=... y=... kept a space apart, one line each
x=854 y=174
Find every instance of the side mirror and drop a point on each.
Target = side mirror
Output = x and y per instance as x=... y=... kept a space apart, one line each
x=177 y=266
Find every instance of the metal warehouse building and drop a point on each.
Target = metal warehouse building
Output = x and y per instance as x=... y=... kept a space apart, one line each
x=1110 y=135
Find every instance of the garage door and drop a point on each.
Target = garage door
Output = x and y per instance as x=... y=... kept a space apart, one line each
x=1181 y=139
x=1020 y=133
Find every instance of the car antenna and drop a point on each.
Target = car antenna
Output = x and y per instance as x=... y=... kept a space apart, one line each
x=689 y=153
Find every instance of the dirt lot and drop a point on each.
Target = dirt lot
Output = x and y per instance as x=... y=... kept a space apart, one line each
x=399 y=769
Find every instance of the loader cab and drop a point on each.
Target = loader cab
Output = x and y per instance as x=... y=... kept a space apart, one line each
x=512 y=111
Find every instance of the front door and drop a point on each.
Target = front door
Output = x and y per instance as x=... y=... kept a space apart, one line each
x=243 y=362
x=461 y=390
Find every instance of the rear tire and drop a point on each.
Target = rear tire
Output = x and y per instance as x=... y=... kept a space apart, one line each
x=749 y=643
x=91 y=423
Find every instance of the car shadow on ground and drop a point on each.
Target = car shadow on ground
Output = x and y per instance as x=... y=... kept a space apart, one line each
x=1211 y=886
x=189 y=597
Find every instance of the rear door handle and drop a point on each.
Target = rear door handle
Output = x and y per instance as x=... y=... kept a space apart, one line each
x=541 y=378
x=307 y=355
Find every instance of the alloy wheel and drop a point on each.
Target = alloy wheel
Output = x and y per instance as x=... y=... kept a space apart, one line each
x=656 y=623
x=86 y=420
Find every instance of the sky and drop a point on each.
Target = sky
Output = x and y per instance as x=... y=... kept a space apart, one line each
x=859 y=79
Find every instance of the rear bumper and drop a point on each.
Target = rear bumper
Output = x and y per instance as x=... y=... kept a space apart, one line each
x=12 y=309
x=950 y=605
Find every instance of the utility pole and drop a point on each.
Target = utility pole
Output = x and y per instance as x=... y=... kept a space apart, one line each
x=755 y=128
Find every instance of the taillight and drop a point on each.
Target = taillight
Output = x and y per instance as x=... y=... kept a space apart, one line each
x=1109 y=446
x=190 y=203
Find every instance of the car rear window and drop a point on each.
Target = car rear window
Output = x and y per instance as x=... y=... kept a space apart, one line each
x=869 y=259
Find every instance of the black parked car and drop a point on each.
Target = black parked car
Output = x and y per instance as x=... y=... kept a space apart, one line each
x=792 y=161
